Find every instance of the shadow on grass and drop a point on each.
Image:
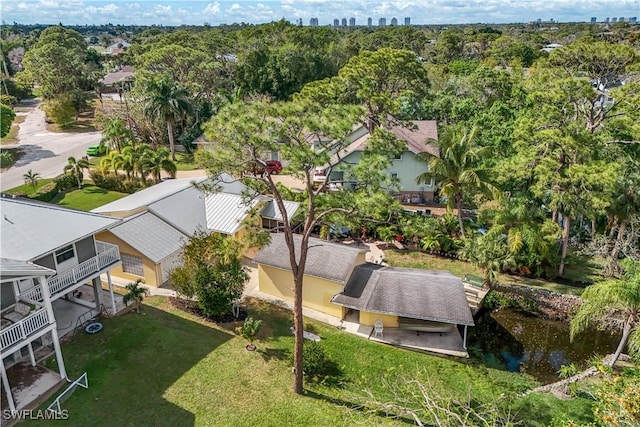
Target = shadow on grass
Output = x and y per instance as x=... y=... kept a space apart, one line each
x=92 y=189
x=131 y=364
x=270 y=354
x=359 y=406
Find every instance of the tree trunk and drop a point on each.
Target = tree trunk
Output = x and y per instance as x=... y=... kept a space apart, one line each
x=565 y=243
x=298 y=386
x=78 y=179
x=623 y=341
x=459 y=206
x=617 y=246
x=172 y=146
x=554 y=216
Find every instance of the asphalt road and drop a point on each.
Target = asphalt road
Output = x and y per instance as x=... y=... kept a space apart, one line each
x=44 y=152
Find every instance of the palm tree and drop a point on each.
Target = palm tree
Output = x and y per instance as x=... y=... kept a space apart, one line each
x=116 y=134
x=619 y=296
x=157 y=161
x=75 y=167
x=457 y=171
x=32 y=178
x=135 y=293
x=165 y=99
x=110 y=161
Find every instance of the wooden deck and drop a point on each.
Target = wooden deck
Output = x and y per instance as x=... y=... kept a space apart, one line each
x=475 y=296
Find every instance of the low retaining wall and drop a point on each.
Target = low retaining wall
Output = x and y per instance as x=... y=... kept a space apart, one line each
x=543 y=303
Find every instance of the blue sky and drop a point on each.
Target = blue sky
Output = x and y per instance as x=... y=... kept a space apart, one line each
x=147 y=12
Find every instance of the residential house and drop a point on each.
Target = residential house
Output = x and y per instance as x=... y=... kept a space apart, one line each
x=48 y=253
x=158 y=221
x=120 y=80
x=421 y=137
x=328 y=268
x=400 y=302
x=118 y=46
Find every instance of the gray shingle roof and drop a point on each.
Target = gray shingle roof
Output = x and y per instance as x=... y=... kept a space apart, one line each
x=32 y=229
x=418 y=294
x=332 y=261
x=150 y=235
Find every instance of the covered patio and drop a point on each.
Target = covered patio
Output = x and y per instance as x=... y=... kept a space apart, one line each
x=417 y=309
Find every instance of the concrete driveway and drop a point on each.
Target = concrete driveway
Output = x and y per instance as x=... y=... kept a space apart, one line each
x=45 y=152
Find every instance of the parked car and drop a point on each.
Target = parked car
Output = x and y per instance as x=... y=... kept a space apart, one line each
x=274 y=167
x=96 y=150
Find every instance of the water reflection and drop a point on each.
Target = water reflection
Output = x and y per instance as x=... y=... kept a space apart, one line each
x=515 y=341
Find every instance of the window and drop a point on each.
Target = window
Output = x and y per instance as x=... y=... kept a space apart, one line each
x=394 y=175
x=64 y=254
x=132 y=264
x=398 y=157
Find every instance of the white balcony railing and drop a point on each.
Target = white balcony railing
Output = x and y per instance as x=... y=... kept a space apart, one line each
x=107 y=255
x=32 y=295
x=24 y=328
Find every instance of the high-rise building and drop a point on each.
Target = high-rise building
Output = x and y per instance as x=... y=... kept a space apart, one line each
x=352 y=22
x=394 y=21
x=336 y=22
x=593 y=19
x=407 y=20
x=369 y=22
x=606 y=20
x=621 y=19
x=614 y=20
x=344 y=22
x=382 y=22
x=633 y=20
x=313 y=22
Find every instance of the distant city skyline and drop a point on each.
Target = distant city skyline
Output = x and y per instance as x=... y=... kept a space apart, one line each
x=198 y=12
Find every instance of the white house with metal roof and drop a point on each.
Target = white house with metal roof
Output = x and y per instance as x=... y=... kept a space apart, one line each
x=48 y=252
x=158 y=221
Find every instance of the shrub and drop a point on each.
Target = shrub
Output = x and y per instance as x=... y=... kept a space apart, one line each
x=6 y=159
x=65 y=182
x=8 y=100
x=496 y=299
x=316 y=363
x=130 y=186
x=97 y=177
x=182 y=281
x=46 y=192
x=61 y=110
x=250 y=328
x=6 y=119
x=112 y=183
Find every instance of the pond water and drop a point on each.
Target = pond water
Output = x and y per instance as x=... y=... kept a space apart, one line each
x=516 y=341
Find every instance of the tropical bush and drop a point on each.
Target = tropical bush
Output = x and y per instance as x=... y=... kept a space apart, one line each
x=46 y=192
x=65 y=182
x=61 y=110
x=316 y=362
x=6 y=119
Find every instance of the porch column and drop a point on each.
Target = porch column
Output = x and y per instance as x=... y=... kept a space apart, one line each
x=464 y=339
x=97 y=287
x=7 y=387
x=31 y=355
x=113 y=300
x=58 y=350
x=46 y=299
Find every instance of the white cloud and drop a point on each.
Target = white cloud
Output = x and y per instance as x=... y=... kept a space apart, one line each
x=213 y=8
x=172 y=12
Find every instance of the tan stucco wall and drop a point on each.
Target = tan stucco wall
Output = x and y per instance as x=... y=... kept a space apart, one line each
x=369 y=319
x=316 y=292
x=152 y=272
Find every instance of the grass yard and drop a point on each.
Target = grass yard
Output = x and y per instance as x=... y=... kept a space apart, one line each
x=186 y=162
x=28 y=189
x=12 y=136
x=89 y=197
x=417 y=259
x=168 y=368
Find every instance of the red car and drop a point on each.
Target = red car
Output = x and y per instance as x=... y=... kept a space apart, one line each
x=274 y=167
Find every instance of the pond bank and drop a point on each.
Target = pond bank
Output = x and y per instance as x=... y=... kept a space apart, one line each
x=540 y=302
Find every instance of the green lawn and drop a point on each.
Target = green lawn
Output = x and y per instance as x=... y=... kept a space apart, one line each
x=168 y=368
x=28 y=189
x=417 y=259
x=89 y=197
x=186 y=162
